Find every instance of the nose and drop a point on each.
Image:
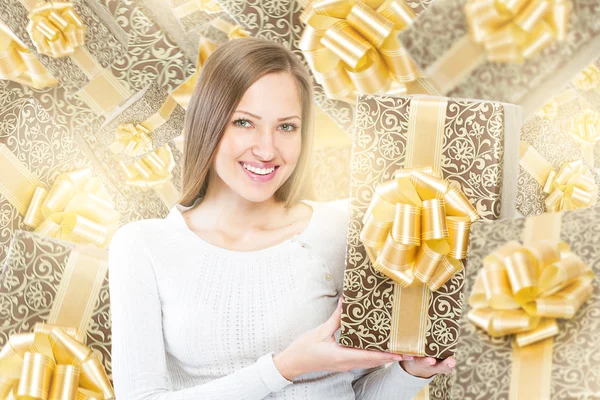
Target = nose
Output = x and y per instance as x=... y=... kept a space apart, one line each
x=264 y=146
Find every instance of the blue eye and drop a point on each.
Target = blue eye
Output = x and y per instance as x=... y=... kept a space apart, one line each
x=242 y=123
x=288 y=127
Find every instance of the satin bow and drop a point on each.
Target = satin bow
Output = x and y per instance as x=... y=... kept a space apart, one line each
x=51 y=363
x=19 y=65
x=77 y=208
x=587 y=79
x=351 y=47
x=585 y=127
x=572 y=187
x=417 y=225
x=512 y=31
x=152 y=170
x=209 y=6
x=55 y=29
x=132 y=140
x=523 y=290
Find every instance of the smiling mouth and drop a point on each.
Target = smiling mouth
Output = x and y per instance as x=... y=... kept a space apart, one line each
x=259 y=174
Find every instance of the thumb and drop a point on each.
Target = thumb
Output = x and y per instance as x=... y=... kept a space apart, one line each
x=333 y=323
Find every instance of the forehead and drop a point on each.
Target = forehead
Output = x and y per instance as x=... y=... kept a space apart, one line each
x=273 y=94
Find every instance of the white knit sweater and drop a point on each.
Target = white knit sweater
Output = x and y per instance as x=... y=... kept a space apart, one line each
x=191 y=320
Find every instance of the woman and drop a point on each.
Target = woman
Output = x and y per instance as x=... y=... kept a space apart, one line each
x=233 y=295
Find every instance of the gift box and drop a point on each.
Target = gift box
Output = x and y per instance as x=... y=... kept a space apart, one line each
x=522 y=56
x=506 y=363
x=193 y=15
x=46 y=280
x=556 y=158
x=463 y=151
x=264 y=19
x=77 y=43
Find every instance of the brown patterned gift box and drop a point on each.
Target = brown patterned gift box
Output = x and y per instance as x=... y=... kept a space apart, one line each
x=552 y=143
x=280 y=22
x=41 y=274
x=473 y=144
x=560 y=367
x=76 y=42
x=440 y=43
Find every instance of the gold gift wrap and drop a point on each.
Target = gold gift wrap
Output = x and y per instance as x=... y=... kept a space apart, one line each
x=519 y=52
x=65 y=38
x=529 y=329
x=47 y=280
x=557 y=158
x=263 y=19
x=458 y=156
x=194 y=14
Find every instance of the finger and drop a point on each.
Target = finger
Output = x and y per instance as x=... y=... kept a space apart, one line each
x=333 y=323
x=367 y=356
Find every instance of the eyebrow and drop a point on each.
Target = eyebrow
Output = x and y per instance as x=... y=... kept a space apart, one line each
x=259 y=117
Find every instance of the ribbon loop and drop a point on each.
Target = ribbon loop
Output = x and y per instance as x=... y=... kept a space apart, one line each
x=55 y=29
x=407 y=230
x=51 y=363
x=522 y=290
x=512 y=31
x=351 y=46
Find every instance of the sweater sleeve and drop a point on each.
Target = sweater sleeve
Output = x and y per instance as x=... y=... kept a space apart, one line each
x=138 y=347
x=389 y=382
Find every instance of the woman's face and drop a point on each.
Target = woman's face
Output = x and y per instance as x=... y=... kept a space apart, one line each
x=261 y=144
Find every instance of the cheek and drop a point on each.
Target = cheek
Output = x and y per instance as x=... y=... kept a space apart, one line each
x=291 y=150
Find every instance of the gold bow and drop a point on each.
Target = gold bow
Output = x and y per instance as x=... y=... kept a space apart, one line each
x=55 y=29
x=19 y=65
x=152 y=170
x=571 y=188
x=523 y=290
x=351 y=47
x=132 y=140
x=51 y=363
x=549 y=110
x=585 y=127
x=587 y=79
x=512 y=31
x=209 y=6
x=417 y=225
x=77 y=208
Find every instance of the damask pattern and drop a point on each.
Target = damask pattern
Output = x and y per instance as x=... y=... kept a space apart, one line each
x=472 y=156
x=444 y=23
x=484 y=363
x=101 y=41
x=331 y=173
x=556 y=146
x=29 y=282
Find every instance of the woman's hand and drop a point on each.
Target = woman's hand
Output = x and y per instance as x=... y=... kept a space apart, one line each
x=426 y=367
x=317 y=350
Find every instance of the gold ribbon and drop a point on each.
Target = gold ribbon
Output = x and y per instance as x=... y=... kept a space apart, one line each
x=51 y=363
x=417 y=226
x=585 y=129
x=571 y=187
x=154 y=171
x=19 y=65
x=588 y=79
x=55 y=29
x=192 y=6
x=523 y=290
x=351 y=47
x=512 y=31
x=232 y=31
x=77 y=208
x=133 y=139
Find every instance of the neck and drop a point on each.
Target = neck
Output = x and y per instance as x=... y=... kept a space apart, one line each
x=220 y=207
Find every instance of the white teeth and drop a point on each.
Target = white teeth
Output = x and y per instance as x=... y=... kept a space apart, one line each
x=258 y=171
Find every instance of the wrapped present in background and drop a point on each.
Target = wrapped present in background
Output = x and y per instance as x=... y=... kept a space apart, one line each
x=557 y=158
x=473 y=146
x=281 y=22
x=522 y=56
x=77 y=43
x=195 y=14
x=543 y=341
x=60 y=283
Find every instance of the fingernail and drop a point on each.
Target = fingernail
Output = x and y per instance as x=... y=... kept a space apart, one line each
x=340 y=301
x=409 y=358
x=431 y=361
x=399 y=358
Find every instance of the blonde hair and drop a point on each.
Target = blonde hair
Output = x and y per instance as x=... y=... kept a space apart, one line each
x=223 y=80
